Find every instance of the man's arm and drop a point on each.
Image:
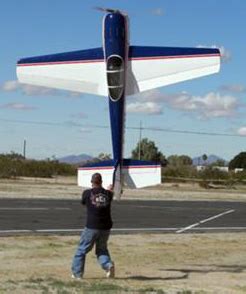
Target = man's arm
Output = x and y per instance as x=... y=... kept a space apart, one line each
x=84 y=198
x=111 y=190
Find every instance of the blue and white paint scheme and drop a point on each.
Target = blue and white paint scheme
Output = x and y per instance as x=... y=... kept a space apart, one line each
x=116 y=70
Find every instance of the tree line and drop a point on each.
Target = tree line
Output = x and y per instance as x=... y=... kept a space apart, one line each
x=147 y=150
x=15 y=165
x=178 y=167
x=175 y=166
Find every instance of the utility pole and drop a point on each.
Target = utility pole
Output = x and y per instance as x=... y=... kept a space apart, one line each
x=24 y=149
x=140 y=139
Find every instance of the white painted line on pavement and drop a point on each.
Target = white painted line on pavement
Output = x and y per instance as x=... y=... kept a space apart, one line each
x=79 y=230
x=23 y=208
x=219 y=228
x=32 y=208
x=15 y=231
x=120 y=230
x=56 y=230
x=204 y=221
x=143 y=229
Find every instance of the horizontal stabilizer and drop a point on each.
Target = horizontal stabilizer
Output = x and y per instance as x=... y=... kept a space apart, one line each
x=136 y=173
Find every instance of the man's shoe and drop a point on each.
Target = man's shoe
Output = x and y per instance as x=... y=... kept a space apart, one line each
x=110 y=273
x=76 y=277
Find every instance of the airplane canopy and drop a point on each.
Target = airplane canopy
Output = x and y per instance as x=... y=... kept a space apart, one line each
x=115 y=76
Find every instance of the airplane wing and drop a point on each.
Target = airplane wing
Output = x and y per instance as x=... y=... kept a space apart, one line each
x=80 y=71
x=153 y=67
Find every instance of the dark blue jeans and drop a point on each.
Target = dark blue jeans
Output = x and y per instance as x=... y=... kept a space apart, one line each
x=88 y=238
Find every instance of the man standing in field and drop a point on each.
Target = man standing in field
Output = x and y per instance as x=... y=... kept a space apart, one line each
x=97 y=230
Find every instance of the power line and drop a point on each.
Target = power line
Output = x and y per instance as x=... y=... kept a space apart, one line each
x=192 y=132
x=31 y=122
x=155 y=129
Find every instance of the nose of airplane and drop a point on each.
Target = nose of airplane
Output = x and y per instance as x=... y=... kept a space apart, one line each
x=115 y=17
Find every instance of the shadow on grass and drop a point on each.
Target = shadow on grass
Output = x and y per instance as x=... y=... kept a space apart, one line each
x=145 y=278
x=212 y=268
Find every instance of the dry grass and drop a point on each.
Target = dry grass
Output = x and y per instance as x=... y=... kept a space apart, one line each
x=62 y=187
x=66 y=188
x=167 y=263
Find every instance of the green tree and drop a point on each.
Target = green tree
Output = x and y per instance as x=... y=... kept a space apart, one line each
x=179 y=160
x=148 y=151
x=14 y=165
x=185 y=160
x=173 y=160
x=219 y=162
x=205 y=158
x=239 y=161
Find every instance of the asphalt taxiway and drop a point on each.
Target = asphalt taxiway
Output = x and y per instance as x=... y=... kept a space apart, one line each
x=40 y=216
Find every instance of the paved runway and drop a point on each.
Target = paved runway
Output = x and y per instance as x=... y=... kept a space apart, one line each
x=25 y=216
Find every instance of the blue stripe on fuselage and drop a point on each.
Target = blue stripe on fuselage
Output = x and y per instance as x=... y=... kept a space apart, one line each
x=115 y=41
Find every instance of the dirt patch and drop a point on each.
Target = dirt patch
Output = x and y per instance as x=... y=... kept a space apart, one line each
x=145 y=263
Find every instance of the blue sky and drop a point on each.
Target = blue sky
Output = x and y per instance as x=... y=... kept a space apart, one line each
x=59 y=123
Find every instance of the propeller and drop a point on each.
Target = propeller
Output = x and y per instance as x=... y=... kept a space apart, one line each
x=110 y=10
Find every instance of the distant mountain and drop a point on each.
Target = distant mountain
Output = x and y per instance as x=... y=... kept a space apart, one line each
x=73 y=159
x=211 y=159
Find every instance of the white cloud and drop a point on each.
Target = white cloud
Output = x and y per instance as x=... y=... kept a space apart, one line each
x=144 y=107
x=149 y=96
x=85 y=130
x=234 y=88
x=211 y=105
x=75 y=94
x=37 y=91
x=11 y=86
x=17 y=106
x=79 y=115
x=225 y=54
x=242 y=131
x=30 y=90
x=215 y=105
x=157 y=11
x=71 y=123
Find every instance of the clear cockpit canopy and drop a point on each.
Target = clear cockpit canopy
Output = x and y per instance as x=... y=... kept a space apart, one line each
x=115 y=76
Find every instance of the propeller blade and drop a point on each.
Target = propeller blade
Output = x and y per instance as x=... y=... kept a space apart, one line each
x=110 y=10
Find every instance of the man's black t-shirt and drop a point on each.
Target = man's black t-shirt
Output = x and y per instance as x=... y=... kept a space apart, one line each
x=98 y=203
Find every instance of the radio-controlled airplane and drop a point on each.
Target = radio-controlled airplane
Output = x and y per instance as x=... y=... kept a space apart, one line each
x=116 y=70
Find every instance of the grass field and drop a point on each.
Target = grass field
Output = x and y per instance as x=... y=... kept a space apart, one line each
x=167 y=263
x=66 y=188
